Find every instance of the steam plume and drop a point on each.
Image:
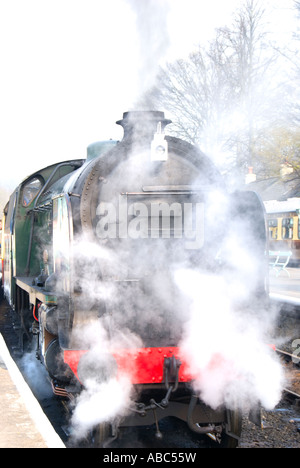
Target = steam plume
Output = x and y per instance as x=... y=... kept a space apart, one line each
x=153 y=38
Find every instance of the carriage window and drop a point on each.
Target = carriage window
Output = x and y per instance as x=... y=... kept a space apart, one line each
x=273 y=228
x=287 y=228
x=30 y=190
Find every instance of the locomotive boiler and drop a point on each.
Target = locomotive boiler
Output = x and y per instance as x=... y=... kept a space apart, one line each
x=91 y=248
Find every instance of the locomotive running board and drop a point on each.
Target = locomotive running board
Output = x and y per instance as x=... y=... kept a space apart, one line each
x=35 y=292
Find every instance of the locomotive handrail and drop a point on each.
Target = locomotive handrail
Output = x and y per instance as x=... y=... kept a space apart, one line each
x=174 y=188
x=158 y=193
x=280 y=260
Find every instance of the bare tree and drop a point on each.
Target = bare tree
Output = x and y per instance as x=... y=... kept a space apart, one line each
x=194 y=91
x=224 y=94
x=293 y=57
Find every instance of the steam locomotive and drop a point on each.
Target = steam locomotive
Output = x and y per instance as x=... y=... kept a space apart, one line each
x=91 y=248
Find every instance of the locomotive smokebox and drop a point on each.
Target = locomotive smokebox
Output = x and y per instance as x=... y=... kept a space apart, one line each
x=141 y=125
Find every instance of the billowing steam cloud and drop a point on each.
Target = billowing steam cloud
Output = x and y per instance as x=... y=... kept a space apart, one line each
x=230 y=324
x=227 y=348
x=140 y=292
x=106 y=395
x=153 y=38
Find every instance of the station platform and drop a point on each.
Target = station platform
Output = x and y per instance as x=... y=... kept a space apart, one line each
x=286 y=286
x=23 y=424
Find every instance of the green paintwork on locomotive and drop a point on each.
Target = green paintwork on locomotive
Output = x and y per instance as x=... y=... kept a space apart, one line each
x=42 y=233
x=28 y=233
x=98 y=148
x=37 y=211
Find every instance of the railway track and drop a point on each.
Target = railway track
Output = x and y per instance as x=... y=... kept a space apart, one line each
x=56 y=411
x=292 y=367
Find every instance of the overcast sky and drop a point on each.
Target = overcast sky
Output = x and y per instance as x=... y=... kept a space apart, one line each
x=70 y=68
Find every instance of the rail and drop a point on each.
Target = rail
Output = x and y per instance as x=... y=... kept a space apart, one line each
x=278 y=261
x=292 y=362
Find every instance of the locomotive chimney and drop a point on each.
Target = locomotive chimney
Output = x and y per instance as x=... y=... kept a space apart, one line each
x=142 y=124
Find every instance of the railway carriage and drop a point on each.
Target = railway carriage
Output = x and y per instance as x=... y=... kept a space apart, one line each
x=283 y=219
